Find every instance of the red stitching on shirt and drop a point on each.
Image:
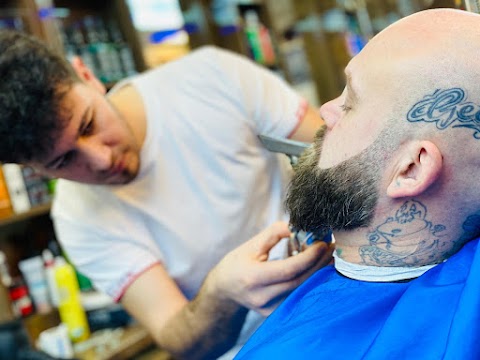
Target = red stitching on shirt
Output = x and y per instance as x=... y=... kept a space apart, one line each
x=300 y=114
x=130 y=278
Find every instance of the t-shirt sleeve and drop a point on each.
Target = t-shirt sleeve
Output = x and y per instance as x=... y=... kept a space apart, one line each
x=104 y=240
x=273 y=107
x=110 y=261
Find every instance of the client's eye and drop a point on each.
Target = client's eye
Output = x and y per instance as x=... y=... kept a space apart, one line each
x=345 y=108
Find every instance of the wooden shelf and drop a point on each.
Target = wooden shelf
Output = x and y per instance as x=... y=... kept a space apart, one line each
x=34 y=212
x=125 y=345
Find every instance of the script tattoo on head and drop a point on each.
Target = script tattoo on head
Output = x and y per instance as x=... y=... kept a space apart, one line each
x=447 y=108
x=406 y=239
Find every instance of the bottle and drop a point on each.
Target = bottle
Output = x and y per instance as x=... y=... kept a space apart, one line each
x=97 y=37
x=83 y=49
x=21 y=302
x=252 y=32
x=6 y=309
x=70 y=307
x=5 y=277
x=33 y=272
x=49 y=264
x=124 y=51
x=266 y=43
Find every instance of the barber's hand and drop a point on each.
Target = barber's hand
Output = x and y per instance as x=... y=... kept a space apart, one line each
x=245 y=276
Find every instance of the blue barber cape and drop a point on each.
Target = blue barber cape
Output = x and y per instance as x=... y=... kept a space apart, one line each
x=436 y=316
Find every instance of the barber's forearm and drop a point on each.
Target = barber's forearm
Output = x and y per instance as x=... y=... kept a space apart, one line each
x=309 y=125
x=205 y=328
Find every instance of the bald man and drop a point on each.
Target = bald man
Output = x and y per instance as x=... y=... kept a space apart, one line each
x=402 y=199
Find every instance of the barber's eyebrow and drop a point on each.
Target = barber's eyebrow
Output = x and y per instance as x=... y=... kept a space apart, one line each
x=82 y=125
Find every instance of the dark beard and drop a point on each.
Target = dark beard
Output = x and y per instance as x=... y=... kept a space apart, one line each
x=342 y=197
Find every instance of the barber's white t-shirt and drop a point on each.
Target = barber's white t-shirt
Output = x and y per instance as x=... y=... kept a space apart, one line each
x=205 y=185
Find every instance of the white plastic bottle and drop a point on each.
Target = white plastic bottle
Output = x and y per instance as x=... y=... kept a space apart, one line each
x=49 y=263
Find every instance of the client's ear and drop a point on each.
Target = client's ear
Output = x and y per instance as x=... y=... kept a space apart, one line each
x=86 y=74
x=419 y=166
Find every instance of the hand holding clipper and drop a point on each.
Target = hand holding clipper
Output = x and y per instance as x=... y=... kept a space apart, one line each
x=300 y=239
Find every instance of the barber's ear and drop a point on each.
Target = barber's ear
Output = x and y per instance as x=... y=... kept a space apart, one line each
x=86 y=74
x=419 y=167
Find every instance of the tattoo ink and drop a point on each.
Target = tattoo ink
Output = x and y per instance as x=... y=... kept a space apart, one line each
x=406 y=239
x=447 y=108
x=471 y=230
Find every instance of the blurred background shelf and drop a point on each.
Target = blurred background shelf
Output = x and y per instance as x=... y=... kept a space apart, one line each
x=308 y=42
x=32 y=213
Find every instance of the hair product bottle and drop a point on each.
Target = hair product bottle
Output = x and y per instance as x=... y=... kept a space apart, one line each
x=70 y=307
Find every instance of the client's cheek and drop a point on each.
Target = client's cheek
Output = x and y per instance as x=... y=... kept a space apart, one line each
x=329 y=154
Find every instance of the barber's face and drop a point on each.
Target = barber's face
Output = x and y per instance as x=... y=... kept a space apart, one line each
x=96 y=146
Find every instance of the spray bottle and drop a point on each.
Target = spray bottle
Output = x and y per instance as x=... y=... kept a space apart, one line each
x=70 y=307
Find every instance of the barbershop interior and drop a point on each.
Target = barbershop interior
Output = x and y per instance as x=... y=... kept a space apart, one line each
x=49 y=308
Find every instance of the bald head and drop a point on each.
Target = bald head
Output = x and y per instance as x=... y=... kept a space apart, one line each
x=424 y=71
x=394 y=174
x=436 y=54
x=432 y=49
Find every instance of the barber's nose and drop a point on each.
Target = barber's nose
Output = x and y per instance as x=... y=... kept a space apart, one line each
x=97 y=155
x=331 y=111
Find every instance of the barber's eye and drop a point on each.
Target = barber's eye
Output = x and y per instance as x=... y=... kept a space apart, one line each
x=88 y=129
x=65 y=161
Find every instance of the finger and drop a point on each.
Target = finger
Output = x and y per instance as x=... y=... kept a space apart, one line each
x=269 y=296
x=272 y=305
x=266 y=299
x=269 y=237
x=290 y=268
x=322 y=261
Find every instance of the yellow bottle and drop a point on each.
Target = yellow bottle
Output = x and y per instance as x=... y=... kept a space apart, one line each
x=70 y=307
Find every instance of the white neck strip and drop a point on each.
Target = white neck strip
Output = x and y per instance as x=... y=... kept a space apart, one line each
x=378 y=273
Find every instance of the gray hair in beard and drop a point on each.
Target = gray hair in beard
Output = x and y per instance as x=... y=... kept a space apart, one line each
x=342 y=197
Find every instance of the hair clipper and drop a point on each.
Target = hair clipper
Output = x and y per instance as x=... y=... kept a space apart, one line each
x=299 y=239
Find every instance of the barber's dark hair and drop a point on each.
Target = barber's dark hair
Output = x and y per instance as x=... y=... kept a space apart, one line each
x=33 y=82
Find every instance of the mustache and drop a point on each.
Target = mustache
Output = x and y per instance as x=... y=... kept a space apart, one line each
x=311 y=156
x=318 y=141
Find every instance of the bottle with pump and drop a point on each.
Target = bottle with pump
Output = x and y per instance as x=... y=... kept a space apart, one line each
x=70 y=307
